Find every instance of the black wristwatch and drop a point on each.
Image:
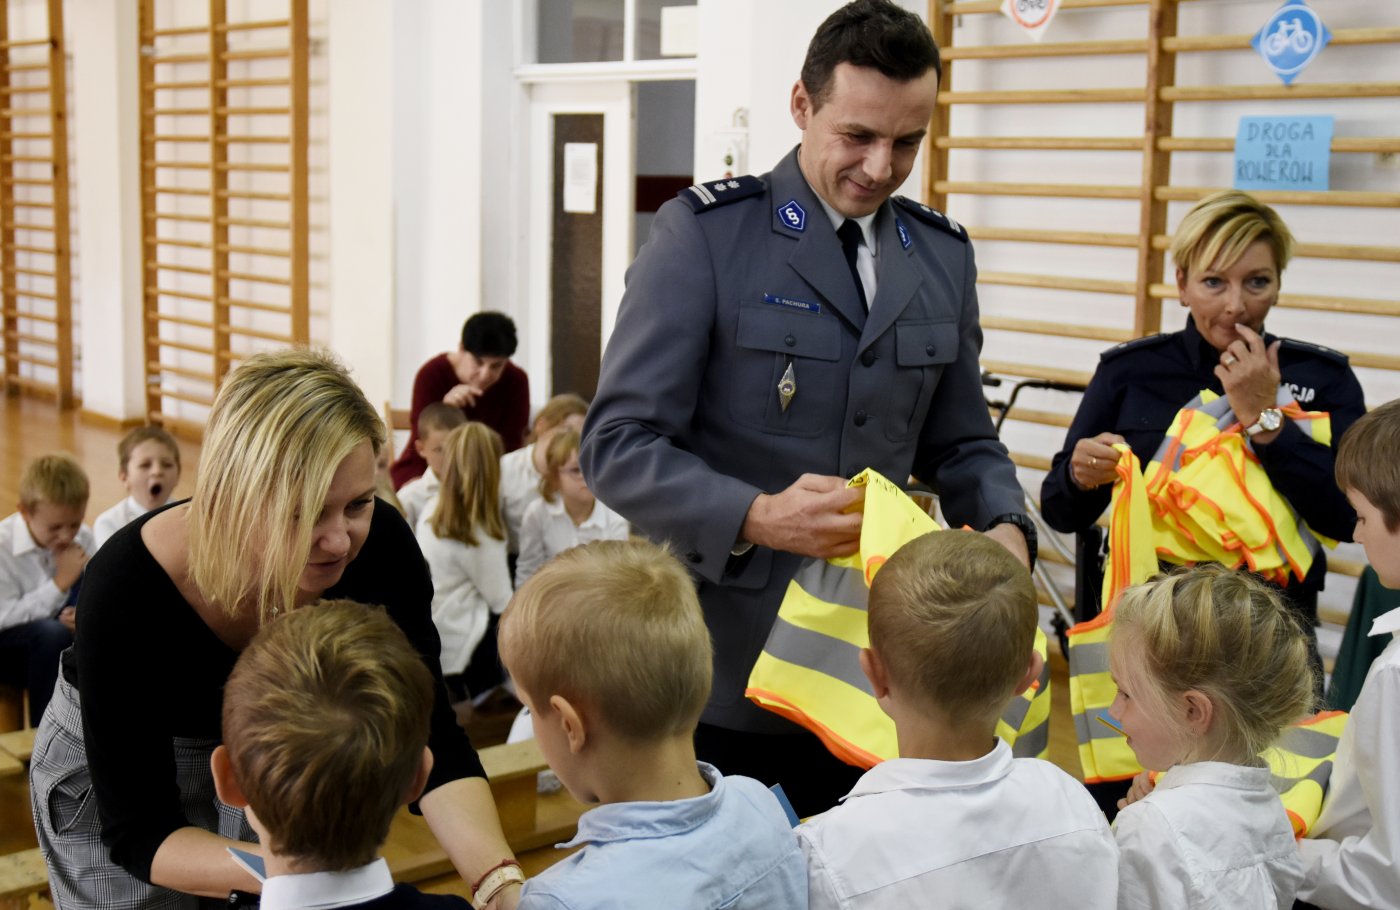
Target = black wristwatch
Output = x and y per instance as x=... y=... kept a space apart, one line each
x=1027 y=528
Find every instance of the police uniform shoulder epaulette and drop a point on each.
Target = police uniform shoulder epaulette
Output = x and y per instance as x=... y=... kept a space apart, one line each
x=1136 y=344
x=1317 y=350
x=705 y=196
x=931 y=216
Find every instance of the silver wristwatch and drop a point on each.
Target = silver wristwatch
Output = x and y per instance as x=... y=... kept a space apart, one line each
x=1270 y=419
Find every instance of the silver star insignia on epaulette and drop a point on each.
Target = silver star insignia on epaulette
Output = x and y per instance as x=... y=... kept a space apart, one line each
x=733 y=184
x=718 y=187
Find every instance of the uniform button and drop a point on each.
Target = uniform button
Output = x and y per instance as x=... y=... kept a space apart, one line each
x=868 y=358
x=860 y=418
x=693 y=558
x=790 y=340
x=929 y=349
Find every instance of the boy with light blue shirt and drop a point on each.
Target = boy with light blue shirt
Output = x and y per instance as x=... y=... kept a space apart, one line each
x=609 y=651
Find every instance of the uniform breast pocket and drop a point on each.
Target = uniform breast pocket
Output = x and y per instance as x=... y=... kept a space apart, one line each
x=772 y=340
x=922 y=348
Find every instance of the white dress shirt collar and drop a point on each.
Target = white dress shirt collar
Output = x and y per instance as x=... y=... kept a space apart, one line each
x=21 y=541
x=866 y=222
x=327 y=890
x=1388 y=621
x=594 y=519
x=931 y=774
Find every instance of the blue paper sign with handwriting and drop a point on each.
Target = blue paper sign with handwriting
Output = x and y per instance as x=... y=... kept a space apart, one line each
x=1283 y=153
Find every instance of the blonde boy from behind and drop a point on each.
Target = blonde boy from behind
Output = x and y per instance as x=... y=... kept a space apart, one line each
x=956 y=821
x=1351 y=858
x=434 y=424
x=325 y=727
x=43 y=550
x=609 y=651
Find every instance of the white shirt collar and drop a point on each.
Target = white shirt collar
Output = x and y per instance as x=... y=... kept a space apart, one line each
x=134 y=508
x=594 y=519
x=931 y=774
x=327 y=890
x=22 y=542
x=1389 y=621
x=866 y=222
x=1221 y=774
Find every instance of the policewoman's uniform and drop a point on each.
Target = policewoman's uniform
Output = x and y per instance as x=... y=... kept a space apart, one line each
x=1141 y=385
x=741 y=285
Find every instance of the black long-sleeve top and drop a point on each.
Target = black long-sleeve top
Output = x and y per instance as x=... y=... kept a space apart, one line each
x=1141 y=385
x=148 y=669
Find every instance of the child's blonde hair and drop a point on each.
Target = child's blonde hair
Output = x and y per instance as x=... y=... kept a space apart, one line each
x=282 y=423
x=1217 y=231
x=145 y=434
x=470 y=496
x=1228 y=635
x=557 y=410
x=57 y=479
x=439 y=417
x=615 y=625
x=564 y=444
x=952 y=616
x=325 y=718
x=1367 y=463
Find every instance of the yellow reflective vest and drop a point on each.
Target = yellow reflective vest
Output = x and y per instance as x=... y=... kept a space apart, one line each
x=809 y=669
x=1204 y=497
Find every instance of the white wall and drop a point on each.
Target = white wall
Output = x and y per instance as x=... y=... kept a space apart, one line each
x=107 y=191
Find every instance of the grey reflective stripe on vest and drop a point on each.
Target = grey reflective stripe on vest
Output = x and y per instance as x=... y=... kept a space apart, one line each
x=1318 y=775
x=1307 y=743
x=815 y=651
x=1091 y=657
x=834 y=584
x=1087 y=728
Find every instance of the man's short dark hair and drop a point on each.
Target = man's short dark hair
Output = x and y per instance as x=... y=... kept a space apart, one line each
x=874 y=33
x=489 y=335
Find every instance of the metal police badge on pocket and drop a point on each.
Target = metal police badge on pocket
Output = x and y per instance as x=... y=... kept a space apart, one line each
x=787 y=387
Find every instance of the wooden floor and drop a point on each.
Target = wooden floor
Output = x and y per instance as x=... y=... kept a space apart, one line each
x=33 y=428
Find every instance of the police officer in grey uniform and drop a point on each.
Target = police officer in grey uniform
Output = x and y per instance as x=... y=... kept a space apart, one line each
x=747 y=378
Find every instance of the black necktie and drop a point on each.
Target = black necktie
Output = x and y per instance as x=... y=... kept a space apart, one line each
x=851 y=237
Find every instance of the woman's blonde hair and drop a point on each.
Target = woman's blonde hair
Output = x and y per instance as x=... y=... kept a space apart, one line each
x=1222 y=226
x=556 y=455
x=555 y=411
x=281 y=425
x=1229 y=636
x=470 y=496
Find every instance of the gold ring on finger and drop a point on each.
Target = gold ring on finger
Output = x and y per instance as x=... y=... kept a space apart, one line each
x=1229 y=360
x=1093 y=461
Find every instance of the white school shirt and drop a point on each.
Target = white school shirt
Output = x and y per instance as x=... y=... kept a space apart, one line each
x=1210 y=836
x=116 y=518
x=469 y=584
x=1352 y=856
x=415 y=496
x=27 y=591
x=997 y=831
x=327 y=890
x=520 y=486
x=547 y=531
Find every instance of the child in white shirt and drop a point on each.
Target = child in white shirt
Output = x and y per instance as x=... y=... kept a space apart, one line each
x=463 y=538
x=566 y=514
x=434 y=423
x=43 y=549
x=148 y=465
x=523 y=469
x=1352 y=856
x=1210 y=667
x=956 y=821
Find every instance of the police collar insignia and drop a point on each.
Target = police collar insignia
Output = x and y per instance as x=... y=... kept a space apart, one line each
x=904 y=240
x=792 y=216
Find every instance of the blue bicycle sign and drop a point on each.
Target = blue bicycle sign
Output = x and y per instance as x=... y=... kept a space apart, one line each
x=1291 y=39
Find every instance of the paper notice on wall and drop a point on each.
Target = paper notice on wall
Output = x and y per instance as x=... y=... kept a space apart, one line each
x=1283 y=153
x=581 y=177
x=1032 y=15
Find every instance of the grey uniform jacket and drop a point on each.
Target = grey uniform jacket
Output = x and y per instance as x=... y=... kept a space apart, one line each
x=688 y=426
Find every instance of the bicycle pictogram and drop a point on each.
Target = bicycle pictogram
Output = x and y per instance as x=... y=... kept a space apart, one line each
x=1289 y=36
